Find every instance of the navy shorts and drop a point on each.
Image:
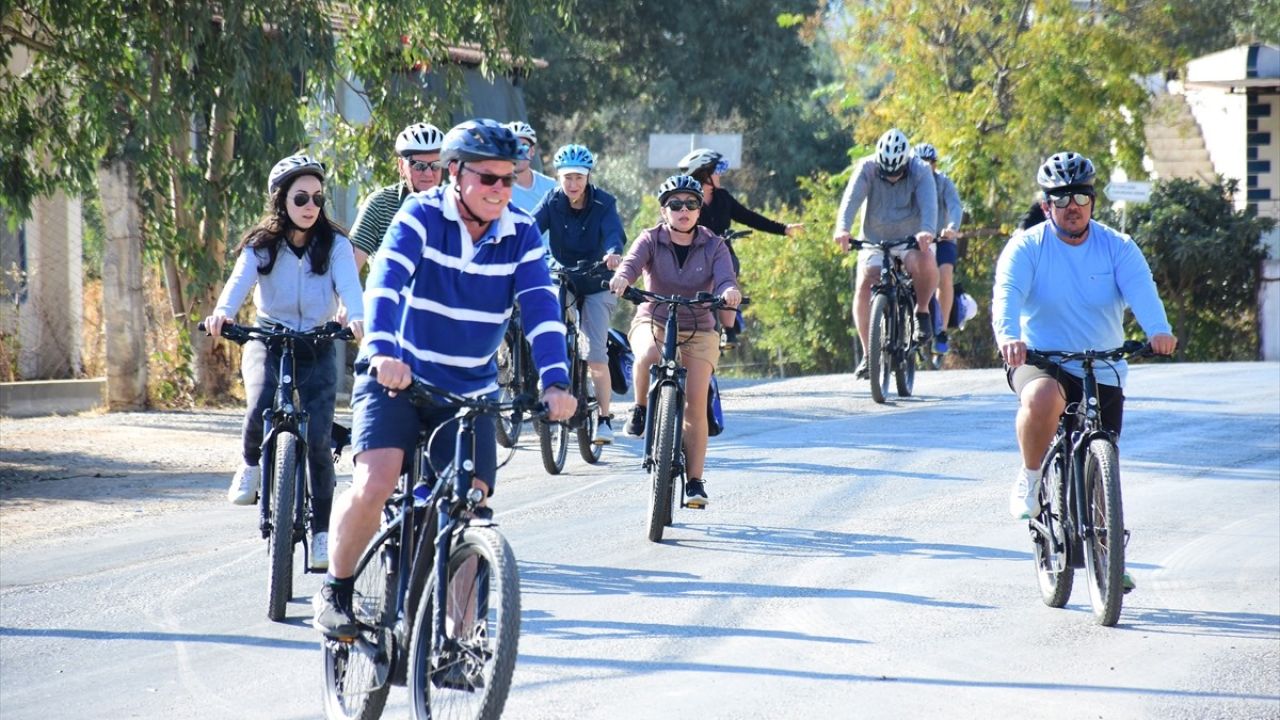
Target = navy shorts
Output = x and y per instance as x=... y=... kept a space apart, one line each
x=381 y=421
x=946 y=252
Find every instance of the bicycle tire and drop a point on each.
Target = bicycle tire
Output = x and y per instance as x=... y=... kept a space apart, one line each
x=474 y=683
x=904 y=373
x=509 y=385
x=587 y=446
x=553 y=441
x=1104 y=544
x=355 y=687
x=1053 y=568
x=662 y=494
x=284 y=464
x=878 y=355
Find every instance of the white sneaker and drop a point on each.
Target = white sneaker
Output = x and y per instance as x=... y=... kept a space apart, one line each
x=244 y=486
x=320 y=551
x=604 y=432
x=1024 y=496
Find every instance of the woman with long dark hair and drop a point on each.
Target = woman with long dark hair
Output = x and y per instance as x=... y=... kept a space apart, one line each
x=301 y=263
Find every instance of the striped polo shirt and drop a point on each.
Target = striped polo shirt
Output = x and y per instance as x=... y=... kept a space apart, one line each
x=441 y=302
x=375 y=216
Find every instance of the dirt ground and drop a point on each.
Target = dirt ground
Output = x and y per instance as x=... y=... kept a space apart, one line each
x=75 y=473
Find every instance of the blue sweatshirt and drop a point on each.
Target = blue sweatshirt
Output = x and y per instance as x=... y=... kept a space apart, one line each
x=441 y=302
x=577 y=235
x=1055 y=296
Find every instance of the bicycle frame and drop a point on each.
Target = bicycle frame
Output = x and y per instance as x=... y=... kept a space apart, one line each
x=899 y=287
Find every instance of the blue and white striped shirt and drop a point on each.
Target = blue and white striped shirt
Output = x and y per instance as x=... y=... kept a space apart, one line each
x=441 y=303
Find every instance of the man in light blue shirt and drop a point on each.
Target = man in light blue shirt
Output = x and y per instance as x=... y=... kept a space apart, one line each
x=1064 y=285
x=531 y=186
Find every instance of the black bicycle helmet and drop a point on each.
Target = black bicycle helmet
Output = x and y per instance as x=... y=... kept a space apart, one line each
x=480 y=139
x=678 y=184
x=1065 y=170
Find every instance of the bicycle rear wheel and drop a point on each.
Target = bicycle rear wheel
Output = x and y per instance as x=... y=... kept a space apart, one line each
x=904 y=373
x=586 y=432
x=509 y=385
x=1053 y=569
x=356 y=675
x=471 y=675
x=1104 y=540
x=553 y=441
x=284 y=468
x=662 y=494
x=879 y=354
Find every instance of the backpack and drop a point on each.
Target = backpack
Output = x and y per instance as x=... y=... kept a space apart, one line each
x=621 y=361
x=715 y=414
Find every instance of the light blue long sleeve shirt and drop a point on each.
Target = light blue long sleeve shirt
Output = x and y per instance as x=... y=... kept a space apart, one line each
x=1055 y=296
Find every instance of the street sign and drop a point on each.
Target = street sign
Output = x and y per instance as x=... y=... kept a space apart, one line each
x=665 y=150
x=1138 y=192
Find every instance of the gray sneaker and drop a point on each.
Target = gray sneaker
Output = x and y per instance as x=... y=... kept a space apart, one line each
x=604 y=432
x=333 y=614
x=635 y=426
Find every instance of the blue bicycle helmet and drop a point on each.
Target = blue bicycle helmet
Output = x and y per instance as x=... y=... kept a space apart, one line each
x=678 y=184
x=481 y=139
x=574 y=158
x=1065 y=171
x=926 y=152
x=291 y=167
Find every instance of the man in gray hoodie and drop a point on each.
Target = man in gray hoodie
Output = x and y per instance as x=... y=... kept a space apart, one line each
x=901 y=200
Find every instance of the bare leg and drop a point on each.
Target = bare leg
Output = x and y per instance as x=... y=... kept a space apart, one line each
x=697 y=385
x=1039 y=406
x=924 y=275
x=862 y=302
x=603 y=385
x=356 y=513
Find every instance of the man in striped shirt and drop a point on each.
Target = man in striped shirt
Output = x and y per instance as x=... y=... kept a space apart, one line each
x=438 y=298
x=418 y=164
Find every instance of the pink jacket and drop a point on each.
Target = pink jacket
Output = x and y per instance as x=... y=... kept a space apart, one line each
x=708 y=268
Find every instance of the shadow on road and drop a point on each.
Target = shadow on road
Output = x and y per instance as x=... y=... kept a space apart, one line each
x=166 y=637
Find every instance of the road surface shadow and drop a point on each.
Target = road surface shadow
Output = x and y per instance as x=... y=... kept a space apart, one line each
x=1202 y=622
x=805 y=542
x=165 y=637
x=540 y=622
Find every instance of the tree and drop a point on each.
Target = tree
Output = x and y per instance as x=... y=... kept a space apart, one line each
x=1207 y=261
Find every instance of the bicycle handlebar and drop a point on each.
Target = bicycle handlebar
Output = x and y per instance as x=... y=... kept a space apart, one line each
x=1131 y=348
x=241 y=334
x=886 y=245
x=588 y=270
x=714 y=302
x=423 y=393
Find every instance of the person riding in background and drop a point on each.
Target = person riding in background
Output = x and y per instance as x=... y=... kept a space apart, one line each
x=298 y=264
x=582 y=224
x=950 y=215
x=719 y=209
x=901 y=199
x=679 y=257
x=1063 y=285
x=418 y=165
x=531 y=186
x=440 y=293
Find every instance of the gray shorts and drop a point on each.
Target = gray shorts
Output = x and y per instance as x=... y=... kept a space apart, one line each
x=597 y=311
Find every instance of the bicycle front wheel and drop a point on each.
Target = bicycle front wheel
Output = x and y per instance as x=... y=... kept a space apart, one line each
x=1049 y=537
x=588 y=448
x=662 y=494
x=469 y=675
x=553 y=441
x=879 y=354
x=284 y=469
x=356 y=674
x=904 y=371
x=1104 y=538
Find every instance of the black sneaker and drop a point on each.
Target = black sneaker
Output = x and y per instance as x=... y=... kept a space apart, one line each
x=695 y=493
x=333 y=612
x=635 y=425
x=924 y=328
x=728 y=339
x=861 y=372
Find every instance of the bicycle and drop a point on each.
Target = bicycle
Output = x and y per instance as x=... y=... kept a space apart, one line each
x=517 y=376
x=1081 y=519
x=553 y=437
x=437 y=591
x=664 y=424
x=739 y=324
x=285 y=498
x=891 y=337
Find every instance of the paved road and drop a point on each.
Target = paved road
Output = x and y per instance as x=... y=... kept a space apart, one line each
x=856 y=561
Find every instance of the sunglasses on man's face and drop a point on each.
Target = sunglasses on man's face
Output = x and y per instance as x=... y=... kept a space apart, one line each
x=301 y=199
x=1061 y=201
x=678 y=205
x=489 y=179
x=421 y=166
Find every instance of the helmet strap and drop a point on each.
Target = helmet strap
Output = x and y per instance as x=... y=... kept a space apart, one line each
x=1063 y=233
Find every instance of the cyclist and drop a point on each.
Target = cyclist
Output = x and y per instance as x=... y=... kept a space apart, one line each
x=1063 y=285
x=901 y=200
x=719 y=209
x=301 y=263
x=582 y=224
x=418 y=164
x=531 y=186
x=439 y=294
x=677 y=257
x=950 y=215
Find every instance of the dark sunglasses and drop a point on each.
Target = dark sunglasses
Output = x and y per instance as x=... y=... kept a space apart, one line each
x=489 y=179
x=1061 y=201
x=678 y=205
x=300 y=199
x=420 y=166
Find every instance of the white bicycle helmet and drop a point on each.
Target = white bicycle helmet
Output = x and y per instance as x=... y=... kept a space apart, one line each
x=678 y=184
x=291 y=167
x=1064 y=170
x=419 y=138
x=892 y=151
x=524 y=130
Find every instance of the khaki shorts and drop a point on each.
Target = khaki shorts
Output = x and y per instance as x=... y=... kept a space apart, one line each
x=703 y=345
